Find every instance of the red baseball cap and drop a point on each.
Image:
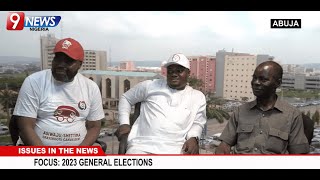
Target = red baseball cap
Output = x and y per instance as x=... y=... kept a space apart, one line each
x=70 y=47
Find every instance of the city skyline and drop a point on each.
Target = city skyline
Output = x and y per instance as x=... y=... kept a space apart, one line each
x=155 y=35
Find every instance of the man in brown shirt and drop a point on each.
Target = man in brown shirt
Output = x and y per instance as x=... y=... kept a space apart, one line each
x=266 y=125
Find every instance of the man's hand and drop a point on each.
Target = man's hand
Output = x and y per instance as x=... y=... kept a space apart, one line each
x=124 y=129
x=191 y=146
x=123 y=144
x=223 y=148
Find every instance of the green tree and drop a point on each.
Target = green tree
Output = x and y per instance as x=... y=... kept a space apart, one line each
x=195 y=83
x=14 y=83
x=212 y=111
x=216 y=101
x=219 y=114
x=316 y=117
x=7 y=100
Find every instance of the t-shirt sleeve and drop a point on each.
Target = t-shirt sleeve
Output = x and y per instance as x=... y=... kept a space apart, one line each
x=28 y=99
x=96 y=108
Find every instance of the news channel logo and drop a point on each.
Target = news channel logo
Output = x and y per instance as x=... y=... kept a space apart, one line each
x=17 y=21
x=286 y=23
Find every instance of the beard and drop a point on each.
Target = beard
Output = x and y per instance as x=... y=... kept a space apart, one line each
x=63 y=75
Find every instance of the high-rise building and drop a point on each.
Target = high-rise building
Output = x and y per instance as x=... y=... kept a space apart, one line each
x=47 y=44
x=127 y=66
x=220 y=58
x=204 y=68
x=93 y=60
x=238 y=71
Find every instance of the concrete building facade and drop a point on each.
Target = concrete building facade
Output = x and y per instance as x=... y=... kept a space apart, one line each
x=238 y=71
x=300 y=81
x=220 y=62
x=47 y=44
x=127 y=65
x=204 y=68
x=113 y=84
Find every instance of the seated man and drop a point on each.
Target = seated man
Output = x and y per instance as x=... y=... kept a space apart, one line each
x=60 y=106
x=172 y=114
x=266 y=125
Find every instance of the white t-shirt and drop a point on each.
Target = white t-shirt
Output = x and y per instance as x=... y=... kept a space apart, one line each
x=167 y=116
x=61 y=109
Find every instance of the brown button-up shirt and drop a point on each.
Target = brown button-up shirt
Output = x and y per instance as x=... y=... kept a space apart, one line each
x=276 y=131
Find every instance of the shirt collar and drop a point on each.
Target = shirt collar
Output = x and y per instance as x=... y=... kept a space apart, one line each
x=280 y=105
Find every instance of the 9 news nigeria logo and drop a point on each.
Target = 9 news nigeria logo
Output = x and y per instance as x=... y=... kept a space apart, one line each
x=17 y=21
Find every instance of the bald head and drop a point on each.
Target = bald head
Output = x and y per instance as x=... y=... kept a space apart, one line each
x=275 y=68
x=266 y=78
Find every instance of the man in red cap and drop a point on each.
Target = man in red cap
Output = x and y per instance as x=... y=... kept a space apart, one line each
x=60 y=106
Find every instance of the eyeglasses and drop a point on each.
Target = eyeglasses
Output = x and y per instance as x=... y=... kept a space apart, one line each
x=178 y=70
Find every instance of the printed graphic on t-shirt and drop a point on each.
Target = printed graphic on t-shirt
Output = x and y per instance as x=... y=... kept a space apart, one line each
x=61 y=136
x=66 y=113
x=82 y=105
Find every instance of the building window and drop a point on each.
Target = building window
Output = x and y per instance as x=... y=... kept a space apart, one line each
x=108 y=81
x=126 y=85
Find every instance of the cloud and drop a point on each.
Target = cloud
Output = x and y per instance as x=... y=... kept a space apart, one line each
x=155 y=35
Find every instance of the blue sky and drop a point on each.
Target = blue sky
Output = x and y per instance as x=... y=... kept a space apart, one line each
x=155 y=35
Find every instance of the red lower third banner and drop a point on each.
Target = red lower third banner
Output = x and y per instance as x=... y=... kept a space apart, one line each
x=51 y=151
